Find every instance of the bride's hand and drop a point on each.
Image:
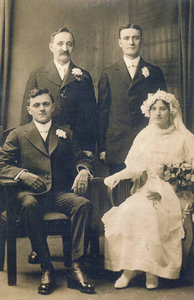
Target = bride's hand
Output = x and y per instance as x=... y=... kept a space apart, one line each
x=112 y=181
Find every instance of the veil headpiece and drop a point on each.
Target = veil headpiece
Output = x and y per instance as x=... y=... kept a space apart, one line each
x=160 y=95
x=175 y=112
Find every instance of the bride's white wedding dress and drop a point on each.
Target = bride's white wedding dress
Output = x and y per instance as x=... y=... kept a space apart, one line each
x=144 y=234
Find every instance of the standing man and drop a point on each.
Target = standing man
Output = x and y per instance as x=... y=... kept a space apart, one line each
x=122 y=89
x=41 y=156
x=72 y=89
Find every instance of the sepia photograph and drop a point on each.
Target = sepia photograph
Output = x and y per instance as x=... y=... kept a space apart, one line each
x=97 y=149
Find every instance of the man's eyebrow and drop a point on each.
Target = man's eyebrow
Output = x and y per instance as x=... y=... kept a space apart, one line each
x=131 y=36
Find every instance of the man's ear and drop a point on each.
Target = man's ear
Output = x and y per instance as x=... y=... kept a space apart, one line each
x=53 y=107
x=28 y=109
x=51 y=47
x=120 y=44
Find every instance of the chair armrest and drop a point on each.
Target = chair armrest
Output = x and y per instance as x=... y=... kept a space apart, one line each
x=9 y=194
x=7 y=182
x=97 y=191
x=120 y=193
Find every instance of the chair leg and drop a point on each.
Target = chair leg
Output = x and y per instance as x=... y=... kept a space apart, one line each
x=11 y=260
x=11 y=237
x=67 y=246
x=2 y=247
x=187 y=240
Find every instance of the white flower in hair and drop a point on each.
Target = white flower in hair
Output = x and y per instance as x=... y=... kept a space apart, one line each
x=160 y=95
x=61 y=133
x=145 y=72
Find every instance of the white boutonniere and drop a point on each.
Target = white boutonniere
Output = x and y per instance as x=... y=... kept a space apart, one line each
x=78 y=74
x=145 y=72
x=61 y=133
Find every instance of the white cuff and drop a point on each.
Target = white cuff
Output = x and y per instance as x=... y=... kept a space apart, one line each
x=83 y=167
x=16 y=178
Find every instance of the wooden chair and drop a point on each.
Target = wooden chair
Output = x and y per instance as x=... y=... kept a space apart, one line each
x=55 y=224
x=11 y=229
x=122 y=191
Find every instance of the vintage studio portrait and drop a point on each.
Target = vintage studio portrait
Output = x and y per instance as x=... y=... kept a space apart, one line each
x=96 y=149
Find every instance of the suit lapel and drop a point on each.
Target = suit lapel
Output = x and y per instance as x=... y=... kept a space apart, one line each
x=34 y=137
x=53 y=140
x=52 y=74
x=122 y=72
x=69 y=76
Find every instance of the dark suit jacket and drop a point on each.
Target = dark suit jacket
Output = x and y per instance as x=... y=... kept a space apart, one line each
x=24 y=149
x=120 y=98
x=75 y=102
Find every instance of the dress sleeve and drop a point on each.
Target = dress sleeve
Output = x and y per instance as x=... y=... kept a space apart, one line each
x=136 y=160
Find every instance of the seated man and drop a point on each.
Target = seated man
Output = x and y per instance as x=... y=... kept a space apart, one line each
x=41 y=156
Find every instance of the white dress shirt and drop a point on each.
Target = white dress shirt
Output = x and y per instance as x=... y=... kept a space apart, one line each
x=43 y=129
x=62 y=69
x=132 y=65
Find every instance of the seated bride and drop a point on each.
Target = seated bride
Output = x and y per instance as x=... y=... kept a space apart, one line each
x=144 y=233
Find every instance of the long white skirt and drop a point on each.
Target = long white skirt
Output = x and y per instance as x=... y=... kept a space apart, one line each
x=143 y=234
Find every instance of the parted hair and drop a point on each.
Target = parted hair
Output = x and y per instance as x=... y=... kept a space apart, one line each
x=137 y=27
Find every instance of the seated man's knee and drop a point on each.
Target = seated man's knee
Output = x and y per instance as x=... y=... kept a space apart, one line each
x=29 y=201
x=85 y=203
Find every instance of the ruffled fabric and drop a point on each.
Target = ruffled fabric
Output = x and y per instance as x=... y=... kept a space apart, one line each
x=145 y=233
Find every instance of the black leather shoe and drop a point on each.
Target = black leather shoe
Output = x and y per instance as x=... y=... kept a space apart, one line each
x=33 y=258
x=46 y=283
x=75 y=280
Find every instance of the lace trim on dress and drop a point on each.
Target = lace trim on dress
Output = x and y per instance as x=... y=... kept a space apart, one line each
x=158 y=130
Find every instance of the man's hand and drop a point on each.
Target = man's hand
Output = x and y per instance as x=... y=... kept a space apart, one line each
x=89 y=153
x=102 y=157
x=80 y=184
x=33 y=181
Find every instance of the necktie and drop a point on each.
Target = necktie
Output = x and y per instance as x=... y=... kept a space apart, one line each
x=44 y=134
x=132 y=70
x=64 y=73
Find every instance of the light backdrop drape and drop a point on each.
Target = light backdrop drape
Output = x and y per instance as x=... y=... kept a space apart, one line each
x=6 y=19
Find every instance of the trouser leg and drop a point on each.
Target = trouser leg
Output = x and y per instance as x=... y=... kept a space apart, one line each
x=79 y=209
x=34 y=225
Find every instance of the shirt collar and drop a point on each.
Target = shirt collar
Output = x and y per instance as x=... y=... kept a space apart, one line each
x=129 y=61
x=43 y=127
x=60 y=67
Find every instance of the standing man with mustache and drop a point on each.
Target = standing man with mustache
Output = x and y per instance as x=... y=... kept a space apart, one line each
x=122 y=89
x=72 y=89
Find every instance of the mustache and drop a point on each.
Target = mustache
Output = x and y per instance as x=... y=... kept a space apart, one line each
x=65 y=52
